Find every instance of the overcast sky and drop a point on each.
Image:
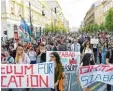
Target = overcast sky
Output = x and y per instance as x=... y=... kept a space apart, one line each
x=75 y=10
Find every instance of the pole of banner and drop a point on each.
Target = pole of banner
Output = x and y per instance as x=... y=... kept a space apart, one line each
x=31 y=25
x=69 y=82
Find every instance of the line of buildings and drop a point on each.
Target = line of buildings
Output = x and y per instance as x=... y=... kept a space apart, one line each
x=97 y=12
x=42 y=12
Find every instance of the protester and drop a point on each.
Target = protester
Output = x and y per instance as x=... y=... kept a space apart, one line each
x=75 y=46
x=21 y=56
x=87 y=60
x=32 y=55
x=62 y=46
x=58 y=69
x=87 y=48
x=12 y=51
x=109 y=61
x=68 y=45
x=104 y=52
x=7 y=59
x=42 y=53
x=53 y=47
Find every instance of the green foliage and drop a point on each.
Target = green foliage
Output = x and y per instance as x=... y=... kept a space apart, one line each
x=50 y=28
x=109 y=20
x=102 y=27
x=91 y=28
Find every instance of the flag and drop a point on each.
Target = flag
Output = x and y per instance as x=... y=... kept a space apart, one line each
x=21 y=33
x=24 y=26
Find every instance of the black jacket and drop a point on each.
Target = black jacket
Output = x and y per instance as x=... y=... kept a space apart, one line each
x=43 y=58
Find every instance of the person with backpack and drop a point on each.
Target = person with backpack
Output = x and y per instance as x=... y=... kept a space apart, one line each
x=7 y=59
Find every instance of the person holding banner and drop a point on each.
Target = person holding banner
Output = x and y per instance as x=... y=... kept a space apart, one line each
x=21 y=56
x=58 y=69
x=109 y=61
x=87 y=48
x=88 y=58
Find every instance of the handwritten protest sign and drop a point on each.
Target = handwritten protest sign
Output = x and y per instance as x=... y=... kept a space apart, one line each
x=70 y=60
x=94 y=73
x=27 y=76
x=94 y=41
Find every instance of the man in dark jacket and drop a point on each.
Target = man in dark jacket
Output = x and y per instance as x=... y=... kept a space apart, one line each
x=52 y=47
x=12 y=51
x=62 y=47
x=42 y=53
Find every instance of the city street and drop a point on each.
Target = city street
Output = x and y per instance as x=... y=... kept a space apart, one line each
x=61 y=44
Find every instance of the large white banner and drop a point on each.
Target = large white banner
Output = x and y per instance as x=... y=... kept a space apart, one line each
x=95 y=73
x=70 y=60
x=27 y=76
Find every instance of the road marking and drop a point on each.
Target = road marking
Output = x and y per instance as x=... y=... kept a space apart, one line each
x=69 y=82
x=102 y=88
x=94 y=87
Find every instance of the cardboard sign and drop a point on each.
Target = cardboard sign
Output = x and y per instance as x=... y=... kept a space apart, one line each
x=27 y=76
x=94 y=73
x=70 y=60
x=94 y=41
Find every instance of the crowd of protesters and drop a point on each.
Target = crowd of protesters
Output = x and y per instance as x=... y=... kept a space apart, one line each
x=34 y=51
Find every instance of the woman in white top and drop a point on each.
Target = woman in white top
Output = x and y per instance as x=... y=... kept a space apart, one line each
x=32 y=56
x=21 y=56
x=87 y=50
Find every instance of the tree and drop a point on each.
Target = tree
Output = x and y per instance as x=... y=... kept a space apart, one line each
x=109 y=20
x=95 y=27
x=55 y=29
x=102 y=27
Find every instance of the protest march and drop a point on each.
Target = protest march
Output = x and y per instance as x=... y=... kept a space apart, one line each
x=56 y=45
x=47 y=64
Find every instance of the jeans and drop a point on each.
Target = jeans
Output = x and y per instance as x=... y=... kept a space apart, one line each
x=33 y=62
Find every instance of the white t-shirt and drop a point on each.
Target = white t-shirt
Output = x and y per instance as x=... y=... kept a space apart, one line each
x=26 y=60
x=88 y=50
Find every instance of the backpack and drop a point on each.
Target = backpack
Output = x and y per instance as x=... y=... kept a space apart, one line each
x=7 y=59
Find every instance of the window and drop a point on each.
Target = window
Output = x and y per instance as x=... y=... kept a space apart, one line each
x=15 y=27
x=12 y=7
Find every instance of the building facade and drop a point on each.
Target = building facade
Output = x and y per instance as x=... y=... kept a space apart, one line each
x=98 y=11
x=101 y=10
x=42 y=13
x=89 y=18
